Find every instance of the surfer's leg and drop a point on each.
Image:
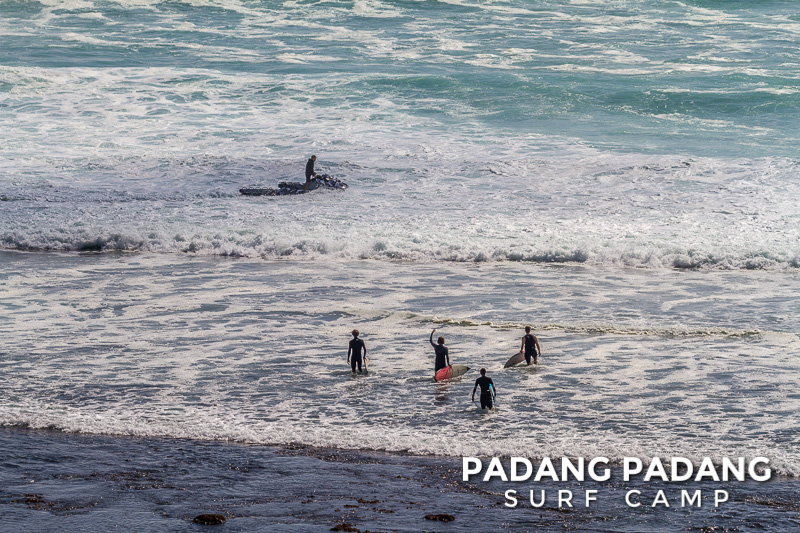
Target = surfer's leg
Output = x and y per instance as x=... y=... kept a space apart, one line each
x=353 y=364
x=528 y=358
x=359 y=363
x=486 y=400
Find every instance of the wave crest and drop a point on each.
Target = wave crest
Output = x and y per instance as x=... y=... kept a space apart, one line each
x=306 y=247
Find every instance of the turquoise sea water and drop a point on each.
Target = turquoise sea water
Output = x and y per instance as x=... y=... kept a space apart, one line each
x=666 y=77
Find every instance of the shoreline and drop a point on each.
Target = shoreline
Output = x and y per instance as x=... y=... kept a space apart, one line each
x=74 y=482
x=343 y=453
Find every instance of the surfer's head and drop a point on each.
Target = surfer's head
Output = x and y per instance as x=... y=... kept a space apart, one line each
x=355 y=333
x=527 y=329
x=441 y=340
x=483 y=371
x=313 y=158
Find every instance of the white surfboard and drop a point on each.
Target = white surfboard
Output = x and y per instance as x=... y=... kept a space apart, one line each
x=515 y=359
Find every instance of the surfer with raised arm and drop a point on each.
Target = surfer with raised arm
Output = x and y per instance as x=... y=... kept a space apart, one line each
x=356 y=346
x=487 y=390
x=310 y=171
x=530 y=344
x=442 y=353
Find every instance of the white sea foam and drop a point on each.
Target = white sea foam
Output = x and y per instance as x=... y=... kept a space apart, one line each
x=376 y=8
x=506 y=163
x=151 y=345
x=622 y=210
x=68 y=4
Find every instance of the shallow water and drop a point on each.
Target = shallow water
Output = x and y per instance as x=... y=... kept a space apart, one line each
x=644 y=363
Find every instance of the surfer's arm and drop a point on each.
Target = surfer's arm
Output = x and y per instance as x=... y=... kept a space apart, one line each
x=538 y=348
x=349 y=349
x=431 y=339
x=474 y=389
x=522 y=346
x=364 y=345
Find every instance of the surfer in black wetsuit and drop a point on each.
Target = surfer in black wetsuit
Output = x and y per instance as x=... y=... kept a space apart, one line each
x=310 y=171
x=531 y=346
x=356 y=345
x=442 y=353
x=487 y=390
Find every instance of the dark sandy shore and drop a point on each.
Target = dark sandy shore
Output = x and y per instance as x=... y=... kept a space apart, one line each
x=53 y=481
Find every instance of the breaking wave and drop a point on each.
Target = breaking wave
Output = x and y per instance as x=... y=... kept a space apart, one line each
x=247 y=243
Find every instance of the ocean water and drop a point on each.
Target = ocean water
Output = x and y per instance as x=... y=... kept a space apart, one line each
x=622 y=176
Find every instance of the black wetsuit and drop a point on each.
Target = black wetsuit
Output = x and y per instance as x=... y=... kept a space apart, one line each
x=309 y=170
x=356 y=345
x=530 y=348
x=486 y=385
x=441 y=356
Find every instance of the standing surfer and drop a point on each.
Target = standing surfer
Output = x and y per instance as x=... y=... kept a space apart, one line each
x=487 y=390
x=356 y=346
x=531 y=346
x=310 y=171
x=442 y=353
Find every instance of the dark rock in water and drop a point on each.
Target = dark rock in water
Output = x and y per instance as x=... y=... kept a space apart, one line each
x=344 y=527
x=440 y=517
x=35 y=501
x=257 y=191
x=209 y=519
x=322 y=181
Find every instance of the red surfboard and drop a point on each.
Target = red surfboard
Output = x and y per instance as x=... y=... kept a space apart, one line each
x=450 y=372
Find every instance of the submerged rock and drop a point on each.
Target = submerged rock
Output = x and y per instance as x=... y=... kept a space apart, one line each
x=209 y=519
x=440 y=517
x=323 y=181
x=344 y=527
